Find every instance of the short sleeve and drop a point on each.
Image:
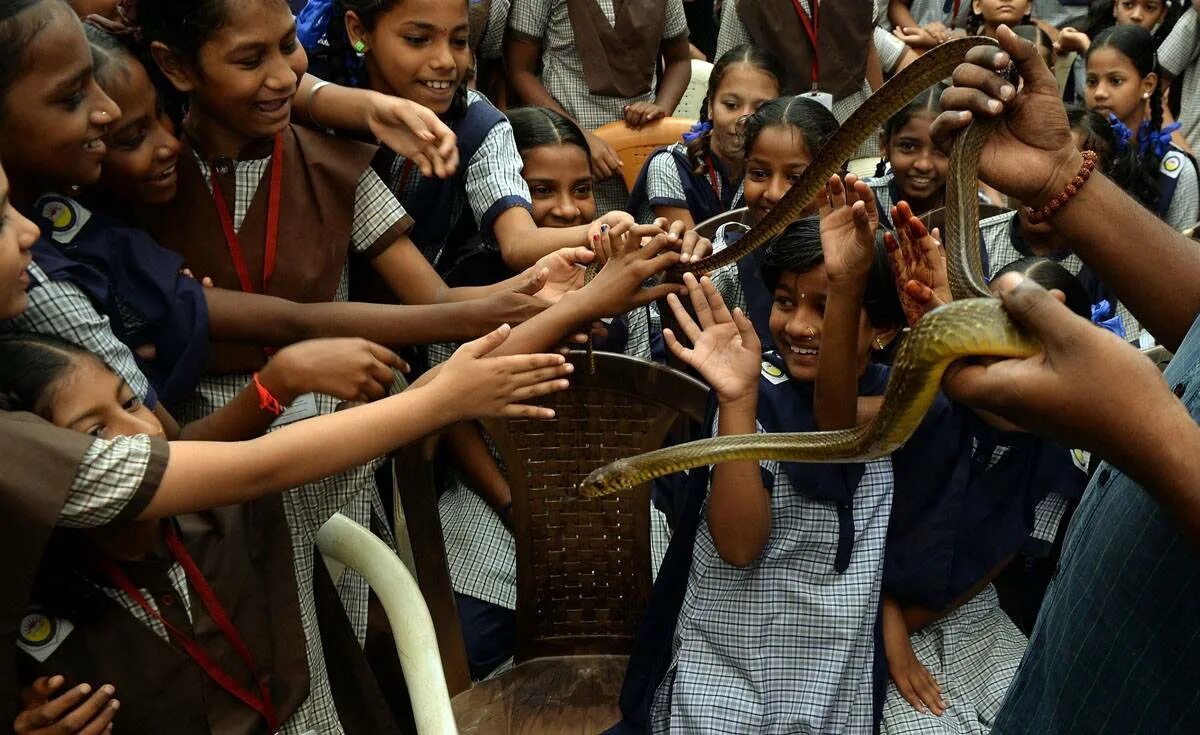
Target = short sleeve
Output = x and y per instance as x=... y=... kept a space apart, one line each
x=379 y=218
x=493 y=181
x=733 y=32
x=1184 y=209
x=1181 y=47
x=675 y=22
x=115 y=481
x=61 y=309
x=890 y=48
x=663 y=186
x=529 y=18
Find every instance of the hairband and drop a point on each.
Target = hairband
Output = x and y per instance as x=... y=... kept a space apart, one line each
x=698 y=130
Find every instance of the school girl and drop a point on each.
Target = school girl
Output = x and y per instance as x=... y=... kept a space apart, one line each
x=1122 y=81
x=419 y=51
x=597 y=61
x=1178 y=56
x=697 y=179
x=915 y=168
x=851 y=57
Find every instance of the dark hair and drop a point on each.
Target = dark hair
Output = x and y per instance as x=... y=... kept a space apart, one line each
x=975 y=21
x=110 y=54
x=30 y=367
x=18 y=28
x=534 y=127
x=1033 y=33
x=1098 y=135
x=929 y=101
x=1136 y=172
x=345 y=66
x=1100 y=17
x=799 y=249
x=1048 y=274
x=699 y=149
x=815 y=123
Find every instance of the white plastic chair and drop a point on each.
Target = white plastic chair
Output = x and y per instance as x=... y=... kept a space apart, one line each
x=697 y=89
x=345 y=543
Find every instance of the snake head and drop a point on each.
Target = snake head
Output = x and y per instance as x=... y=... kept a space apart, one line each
x=607 y=480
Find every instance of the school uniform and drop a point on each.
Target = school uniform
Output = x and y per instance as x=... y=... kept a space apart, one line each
x=844 y=31
x=332 y=204
x=1061 y=13
x=1178 y=189
x=56 y=477
x=887 y=193
x=596 y=61
x=669 y=179
x=1178 y=55
x=925 y=12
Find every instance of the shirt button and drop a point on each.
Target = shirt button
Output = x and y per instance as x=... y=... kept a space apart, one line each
x=168 y=600
x=1104 y=475
x=1179 y=389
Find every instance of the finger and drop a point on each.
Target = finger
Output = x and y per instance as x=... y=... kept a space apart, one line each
x=534 y=283
x=715 y=303
x=862 y=191
x=699 y=300
x=676 y=230
x=488 y=342
x=910 y=696
x=930 y=693
x=424 y=164
x=675 y=346
x=948 y=125
x=386 y=356
x=102 y=723
x=41 y=689
x=537 y=390
x=745 y=327
x=53 y=710
x=519 y=411
x=85 y=712
x=862 y=222
x=969 y=99
x=836 y=192
x=1044 y=316
x=683 y=318
x=1039 y=79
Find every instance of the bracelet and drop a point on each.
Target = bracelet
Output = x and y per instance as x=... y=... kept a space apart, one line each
x=266 y=400
x=1072 y=188
x=312 y=93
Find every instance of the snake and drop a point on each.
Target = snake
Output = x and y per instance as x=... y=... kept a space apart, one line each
x=973 y=324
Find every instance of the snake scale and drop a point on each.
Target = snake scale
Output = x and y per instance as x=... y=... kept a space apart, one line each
x=975 y=324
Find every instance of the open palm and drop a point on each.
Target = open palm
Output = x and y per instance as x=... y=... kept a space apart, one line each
x=725 y=349
x=848 y=223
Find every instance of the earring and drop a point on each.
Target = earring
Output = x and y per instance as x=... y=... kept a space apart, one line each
x=1145 y=95
x=878 y=344
x=360 y=48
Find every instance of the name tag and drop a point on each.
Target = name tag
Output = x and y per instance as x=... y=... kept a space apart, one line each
x=40 y=635
x=304 y=407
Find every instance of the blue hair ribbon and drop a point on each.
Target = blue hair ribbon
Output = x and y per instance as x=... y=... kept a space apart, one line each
x=698 y=130
x=1105 y=316
x=1122 y=131
x=1160 y=141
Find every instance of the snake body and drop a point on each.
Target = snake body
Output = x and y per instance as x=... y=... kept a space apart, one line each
x=973 y=324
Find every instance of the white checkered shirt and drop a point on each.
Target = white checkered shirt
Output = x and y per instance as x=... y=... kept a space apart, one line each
x=352 y=493
x=1184 y=208
x=925 y=12
x=491 y=46
x=1178 y=55
x=1057 y=14
x=111 y=474
x=547 y=22
x=60 y=308
x=1000 y=252
x=663 y=184
x=787 y=644
x=733 y=33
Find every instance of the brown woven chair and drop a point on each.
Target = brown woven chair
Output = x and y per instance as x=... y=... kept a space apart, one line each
x=583 y=566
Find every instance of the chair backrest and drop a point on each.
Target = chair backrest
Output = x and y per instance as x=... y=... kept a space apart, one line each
x=708 y=228
x=583 y=566
x=697 y=89
x=635 y=146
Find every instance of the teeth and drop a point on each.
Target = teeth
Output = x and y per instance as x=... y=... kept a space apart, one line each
x=437 y=85
x=93 y=144
x=801 y=351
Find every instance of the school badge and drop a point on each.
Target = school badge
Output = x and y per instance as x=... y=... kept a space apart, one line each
x=774 y=375
x=1172 y=164
x=1081 y=458
x=66 y=217
x=40 y=635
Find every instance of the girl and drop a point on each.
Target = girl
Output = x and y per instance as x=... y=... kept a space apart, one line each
x=918 y=167
x=988 y=15
x=1122 y=82
x=694 y=180
x=597 y=62
x=389 y=47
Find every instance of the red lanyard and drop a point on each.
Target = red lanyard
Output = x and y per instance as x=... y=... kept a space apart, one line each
x=713 y=178
x=261 y=702
x=810 y=28
x=954 y=13
x=231 y=238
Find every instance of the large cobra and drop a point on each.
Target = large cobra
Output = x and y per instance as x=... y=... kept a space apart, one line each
x=973 y=324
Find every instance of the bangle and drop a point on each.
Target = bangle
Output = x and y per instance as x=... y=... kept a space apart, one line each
x=312 y=94
x=1072 y=188
x=266 y=400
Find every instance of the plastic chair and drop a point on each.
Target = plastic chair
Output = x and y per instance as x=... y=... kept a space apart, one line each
x=708 y=228
x=346 y=543
x=697 y=89
x=635 y=146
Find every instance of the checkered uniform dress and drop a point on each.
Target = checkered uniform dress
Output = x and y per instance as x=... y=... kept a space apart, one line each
x=663 y=183
x=785 y=645
x=1057 y=14
x=1178 y=55
x=973 y=653
x=547 y=23
x=925 y=12
x=306 y=508
x=1000 y=252
x=891 y=49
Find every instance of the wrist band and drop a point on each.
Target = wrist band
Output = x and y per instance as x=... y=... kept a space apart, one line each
x=1072 y=188
x=312 y=94
x=267 y=401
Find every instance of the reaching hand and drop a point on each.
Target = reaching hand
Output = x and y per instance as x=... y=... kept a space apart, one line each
x=561 y=272
x=919 y=264
x=848 y=223
x=72 y=712
x=917 y=37
x=618 y=287
x=414 y=132
x=1031 y=154
x=1071 y=40
x=642 y=113
x=473 y=385
x=522 y=303
x=605 y=161
x=348 y=369
x=725 y=348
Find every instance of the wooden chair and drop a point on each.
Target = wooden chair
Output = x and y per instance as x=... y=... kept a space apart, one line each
x=708 y=228
x=583 y=566
x=635 y=146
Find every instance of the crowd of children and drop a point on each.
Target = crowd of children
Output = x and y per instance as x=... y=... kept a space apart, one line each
x=228 y=222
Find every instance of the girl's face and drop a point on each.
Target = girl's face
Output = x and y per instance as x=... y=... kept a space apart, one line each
x=418 y=50
x=560 y=181
x=777 y=160
x=54 y=118
x=245 y=76
x=17 y=236
x=995 y=12
x=1144 y=13
x=1113 y=85
x=91 y=399
x=797 y=315
x=743 y=90
x=139 y=167
x=920 y=166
